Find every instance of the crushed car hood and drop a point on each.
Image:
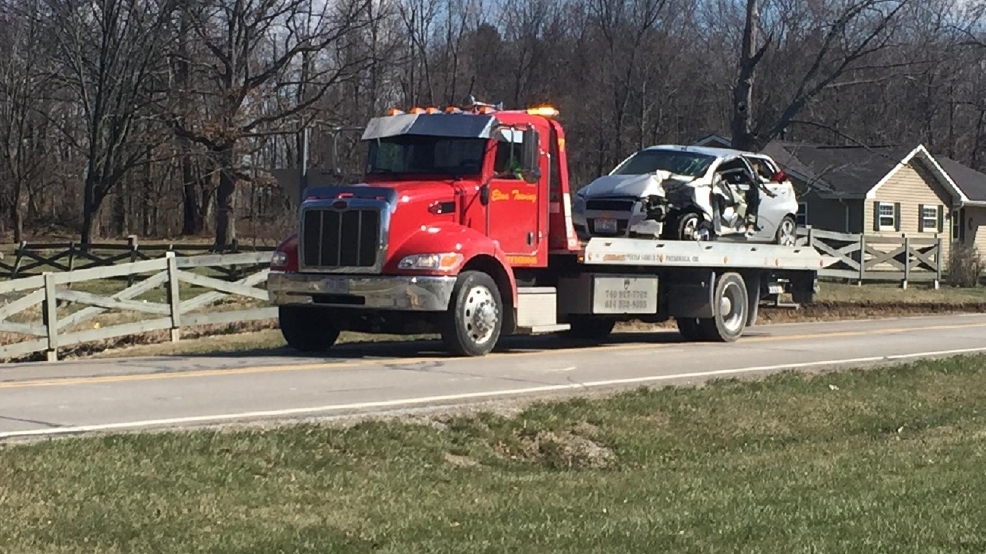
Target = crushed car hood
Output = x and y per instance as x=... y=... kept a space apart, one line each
x=637 y=186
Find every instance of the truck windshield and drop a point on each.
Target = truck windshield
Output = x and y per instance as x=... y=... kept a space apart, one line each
x=691 y=164
x=426 y=154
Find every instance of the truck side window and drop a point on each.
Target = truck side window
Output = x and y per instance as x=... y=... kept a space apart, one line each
x=505 y=167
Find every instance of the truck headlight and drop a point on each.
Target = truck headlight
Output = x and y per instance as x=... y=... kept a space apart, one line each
x=443 y=261
x=278 y=259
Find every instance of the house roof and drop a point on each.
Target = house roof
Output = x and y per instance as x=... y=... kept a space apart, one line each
x=850 y=171
x=857 y=171
x=713 y=140
x=972 y=182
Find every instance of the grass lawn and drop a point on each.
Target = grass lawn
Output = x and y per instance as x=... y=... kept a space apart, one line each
x=891 y=293
x=886 y=460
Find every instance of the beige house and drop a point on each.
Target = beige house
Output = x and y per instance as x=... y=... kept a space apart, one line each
x=883 y=191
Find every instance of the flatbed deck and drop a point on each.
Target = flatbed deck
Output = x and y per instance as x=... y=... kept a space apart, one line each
x=700 y=254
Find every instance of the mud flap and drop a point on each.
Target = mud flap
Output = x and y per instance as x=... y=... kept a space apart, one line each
x=695 y=299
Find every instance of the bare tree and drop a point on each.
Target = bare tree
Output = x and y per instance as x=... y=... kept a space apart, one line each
x=108 y=52
x=251 y=77
x=843 y=34
x=23 y=125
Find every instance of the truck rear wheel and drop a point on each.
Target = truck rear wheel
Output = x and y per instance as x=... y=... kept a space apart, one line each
x=731 y=308
x=306 y=329
x=475 y=316
x=591 y=328
x=689 y=328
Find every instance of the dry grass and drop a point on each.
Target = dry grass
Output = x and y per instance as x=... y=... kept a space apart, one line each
x=886 y=460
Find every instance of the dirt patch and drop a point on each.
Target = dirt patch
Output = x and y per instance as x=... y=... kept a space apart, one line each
x=460 y=461
x=837 y=311
x=568 y=450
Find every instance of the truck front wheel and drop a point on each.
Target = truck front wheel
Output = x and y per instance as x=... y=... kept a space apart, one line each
x=306 y=329
x=474 y=319
x=731 y=310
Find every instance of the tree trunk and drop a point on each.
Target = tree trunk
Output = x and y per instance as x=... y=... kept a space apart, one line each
x=225 y=201
x=121 y=223
x=90 y=207
x=742 y=126
x=190 y=211
x=16 y=217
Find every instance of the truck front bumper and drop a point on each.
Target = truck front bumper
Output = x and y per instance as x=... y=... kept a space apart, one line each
x=414 y=293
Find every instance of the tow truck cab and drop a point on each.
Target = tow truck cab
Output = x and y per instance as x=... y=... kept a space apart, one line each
x=455 y=208
x=463 y=226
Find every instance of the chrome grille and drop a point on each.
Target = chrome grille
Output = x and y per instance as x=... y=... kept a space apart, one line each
x=333 y=239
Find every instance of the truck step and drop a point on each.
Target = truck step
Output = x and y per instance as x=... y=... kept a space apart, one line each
x=544 y=329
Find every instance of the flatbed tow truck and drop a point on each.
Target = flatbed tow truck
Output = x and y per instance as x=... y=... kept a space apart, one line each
x=446 y=235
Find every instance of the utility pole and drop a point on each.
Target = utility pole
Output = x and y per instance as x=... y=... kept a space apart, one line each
x=303 y=163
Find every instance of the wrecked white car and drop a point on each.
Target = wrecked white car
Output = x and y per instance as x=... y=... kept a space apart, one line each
x=690 y=193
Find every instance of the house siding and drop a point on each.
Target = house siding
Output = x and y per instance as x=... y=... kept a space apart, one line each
x=976 y=218
x=829 y=214
x=826 y=214
x=908 y=189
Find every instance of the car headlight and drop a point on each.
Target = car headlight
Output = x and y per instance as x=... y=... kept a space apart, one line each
x=278 y=259
x=579 y=206
x=444 y=261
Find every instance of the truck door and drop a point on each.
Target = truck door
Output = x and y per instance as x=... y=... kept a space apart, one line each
x=514 y=204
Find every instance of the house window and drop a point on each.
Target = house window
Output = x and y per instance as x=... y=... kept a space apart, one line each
x=929 y=219
x=886 y=216
x=802 y=215
x=958 y=231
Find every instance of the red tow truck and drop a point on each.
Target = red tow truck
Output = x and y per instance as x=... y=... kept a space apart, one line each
x=463 y=226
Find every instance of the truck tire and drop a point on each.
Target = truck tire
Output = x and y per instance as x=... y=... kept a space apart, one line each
x=591 y=328
x=475 y=315
x=689 y=328
x=731 y=308
x=306 y=329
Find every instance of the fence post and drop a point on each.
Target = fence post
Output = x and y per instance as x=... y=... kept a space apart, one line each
x=71 y=256
x=862 y=259
x=907 y=262
x=938 y=264
x=174 y=299
x=132 y=244
x=50 y=316
x=17 y=261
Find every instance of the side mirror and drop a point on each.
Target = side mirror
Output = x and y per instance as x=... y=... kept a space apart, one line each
x=484 y=194
x=779 y=177
x=531 y=156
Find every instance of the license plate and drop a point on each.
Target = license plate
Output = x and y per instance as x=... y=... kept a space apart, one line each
x=624 y=295
x=335 y=286
x=605 y=225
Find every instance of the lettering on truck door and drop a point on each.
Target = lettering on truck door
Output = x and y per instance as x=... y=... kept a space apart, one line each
x=514 y=203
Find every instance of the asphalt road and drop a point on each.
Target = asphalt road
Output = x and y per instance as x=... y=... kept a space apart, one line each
x=42 y=399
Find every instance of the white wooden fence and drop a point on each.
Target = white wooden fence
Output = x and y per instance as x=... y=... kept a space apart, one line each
x=52 y=291
x=877 y=258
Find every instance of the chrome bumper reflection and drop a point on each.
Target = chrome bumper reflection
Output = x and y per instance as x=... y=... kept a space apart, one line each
x=390 y=293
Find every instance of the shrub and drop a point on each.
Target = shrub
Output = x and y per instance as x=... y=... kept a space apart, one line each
x=965 y=265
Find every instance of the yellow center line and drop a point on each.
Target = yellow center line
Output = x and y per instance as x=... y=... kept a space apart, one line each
x=66 y=381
